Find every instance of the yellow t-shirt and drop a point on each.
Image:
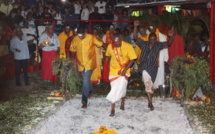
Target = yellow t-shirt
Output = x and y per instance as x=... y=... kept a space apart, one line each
x=85 y=51
x=126 y=53
x=62 y=39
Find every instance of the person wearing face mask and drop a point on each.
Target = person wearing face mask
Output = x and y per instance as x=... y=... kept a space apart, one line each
x=121 y=56
x=149 y=59
x=83 y=52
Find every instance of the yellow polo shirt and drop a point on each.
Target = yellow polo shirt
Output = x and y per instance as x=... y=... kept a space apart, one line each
x=85 y=51
x=126 y=53
x=62 y=39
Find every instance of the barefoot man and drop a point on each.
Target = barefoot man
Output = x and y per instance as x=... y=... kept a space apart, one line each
x=148 y=66
x=121 y=56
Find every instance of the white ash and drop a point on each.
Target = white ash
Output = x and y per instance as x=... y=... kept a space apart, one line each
x=167 y=118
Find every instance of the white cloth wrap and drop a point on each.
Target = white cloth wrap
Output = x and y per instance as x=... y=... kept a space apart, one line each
x=146 y=78
x=118 y=88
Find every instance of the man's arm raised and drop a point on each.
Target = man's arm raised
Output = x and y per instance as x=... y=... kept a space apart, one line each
x=136 y=23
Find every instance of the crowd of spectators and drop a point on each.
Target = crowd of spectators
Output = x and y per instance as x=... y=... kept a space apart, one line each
x=71 y=12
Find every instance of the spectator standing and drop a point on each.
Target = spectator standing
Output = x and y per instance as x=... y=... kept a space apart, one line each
x=19 y=47
x=18 y=17
x=63 y=36
x=69 y=40
x=199 y=45
x=101 y=6
x=91 y=6
x=6 y=7
x=46 y=15
x=176 y=48
x=69 y=19
x=123 y=25
x=96 y=75
x=23 y=11
x=30 y=20
x=77 y=7
x=126 y=36
x=111 y=4
x=57 y=15
x=115 y=18
x=49 y=44
x=94 y=16
x=84 y=16
x=109 y=17
x=30 y=34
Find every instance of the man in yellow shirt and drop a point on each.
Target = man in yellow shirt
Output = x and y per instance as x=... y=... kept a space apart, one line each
x=67 y=32
x=83 y=50
x=121 y=56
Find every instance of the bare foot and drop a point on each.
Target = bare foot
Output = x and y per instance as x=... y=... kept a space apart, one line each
x=112 y=113
x=122 y=107
x=151 y=107
x=90 y=95
x=84 y=106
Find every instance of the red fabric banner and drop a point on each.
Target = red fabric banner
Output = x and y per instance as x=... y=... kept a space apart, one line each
x=212 y=44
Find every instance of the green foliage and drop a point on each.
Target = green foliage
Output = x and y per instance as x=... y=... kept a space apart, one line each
x=190 y=73
x=22 y=114
x=205 y=115
x=68 y=73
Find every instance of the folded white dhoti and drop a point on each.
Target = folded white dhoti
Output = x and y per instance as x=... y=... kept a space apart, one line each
x=147 y=82
x=118 y=88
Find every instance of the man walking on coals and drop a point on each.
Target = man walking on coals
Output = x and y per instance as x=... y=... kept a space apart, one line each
x=83 y=52
x=148 y=66
x=121 y=56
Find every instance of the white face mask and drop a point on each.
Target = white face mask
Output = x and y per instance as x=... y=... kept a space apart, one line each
x=80 y=35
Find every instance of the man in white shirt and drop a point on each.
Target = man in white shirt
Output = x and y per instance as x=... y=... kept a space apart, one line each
x=30 y=34
x=77 y=7
x=85 y=16
x=101 y=6
x=19 y=47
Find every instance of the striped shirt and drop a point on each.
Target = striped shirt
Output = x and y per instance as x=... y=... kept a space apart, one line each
x=149 y=57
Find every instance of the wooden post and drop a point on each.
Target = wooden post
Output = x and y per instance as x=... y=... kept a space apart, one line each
x=212 y=44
